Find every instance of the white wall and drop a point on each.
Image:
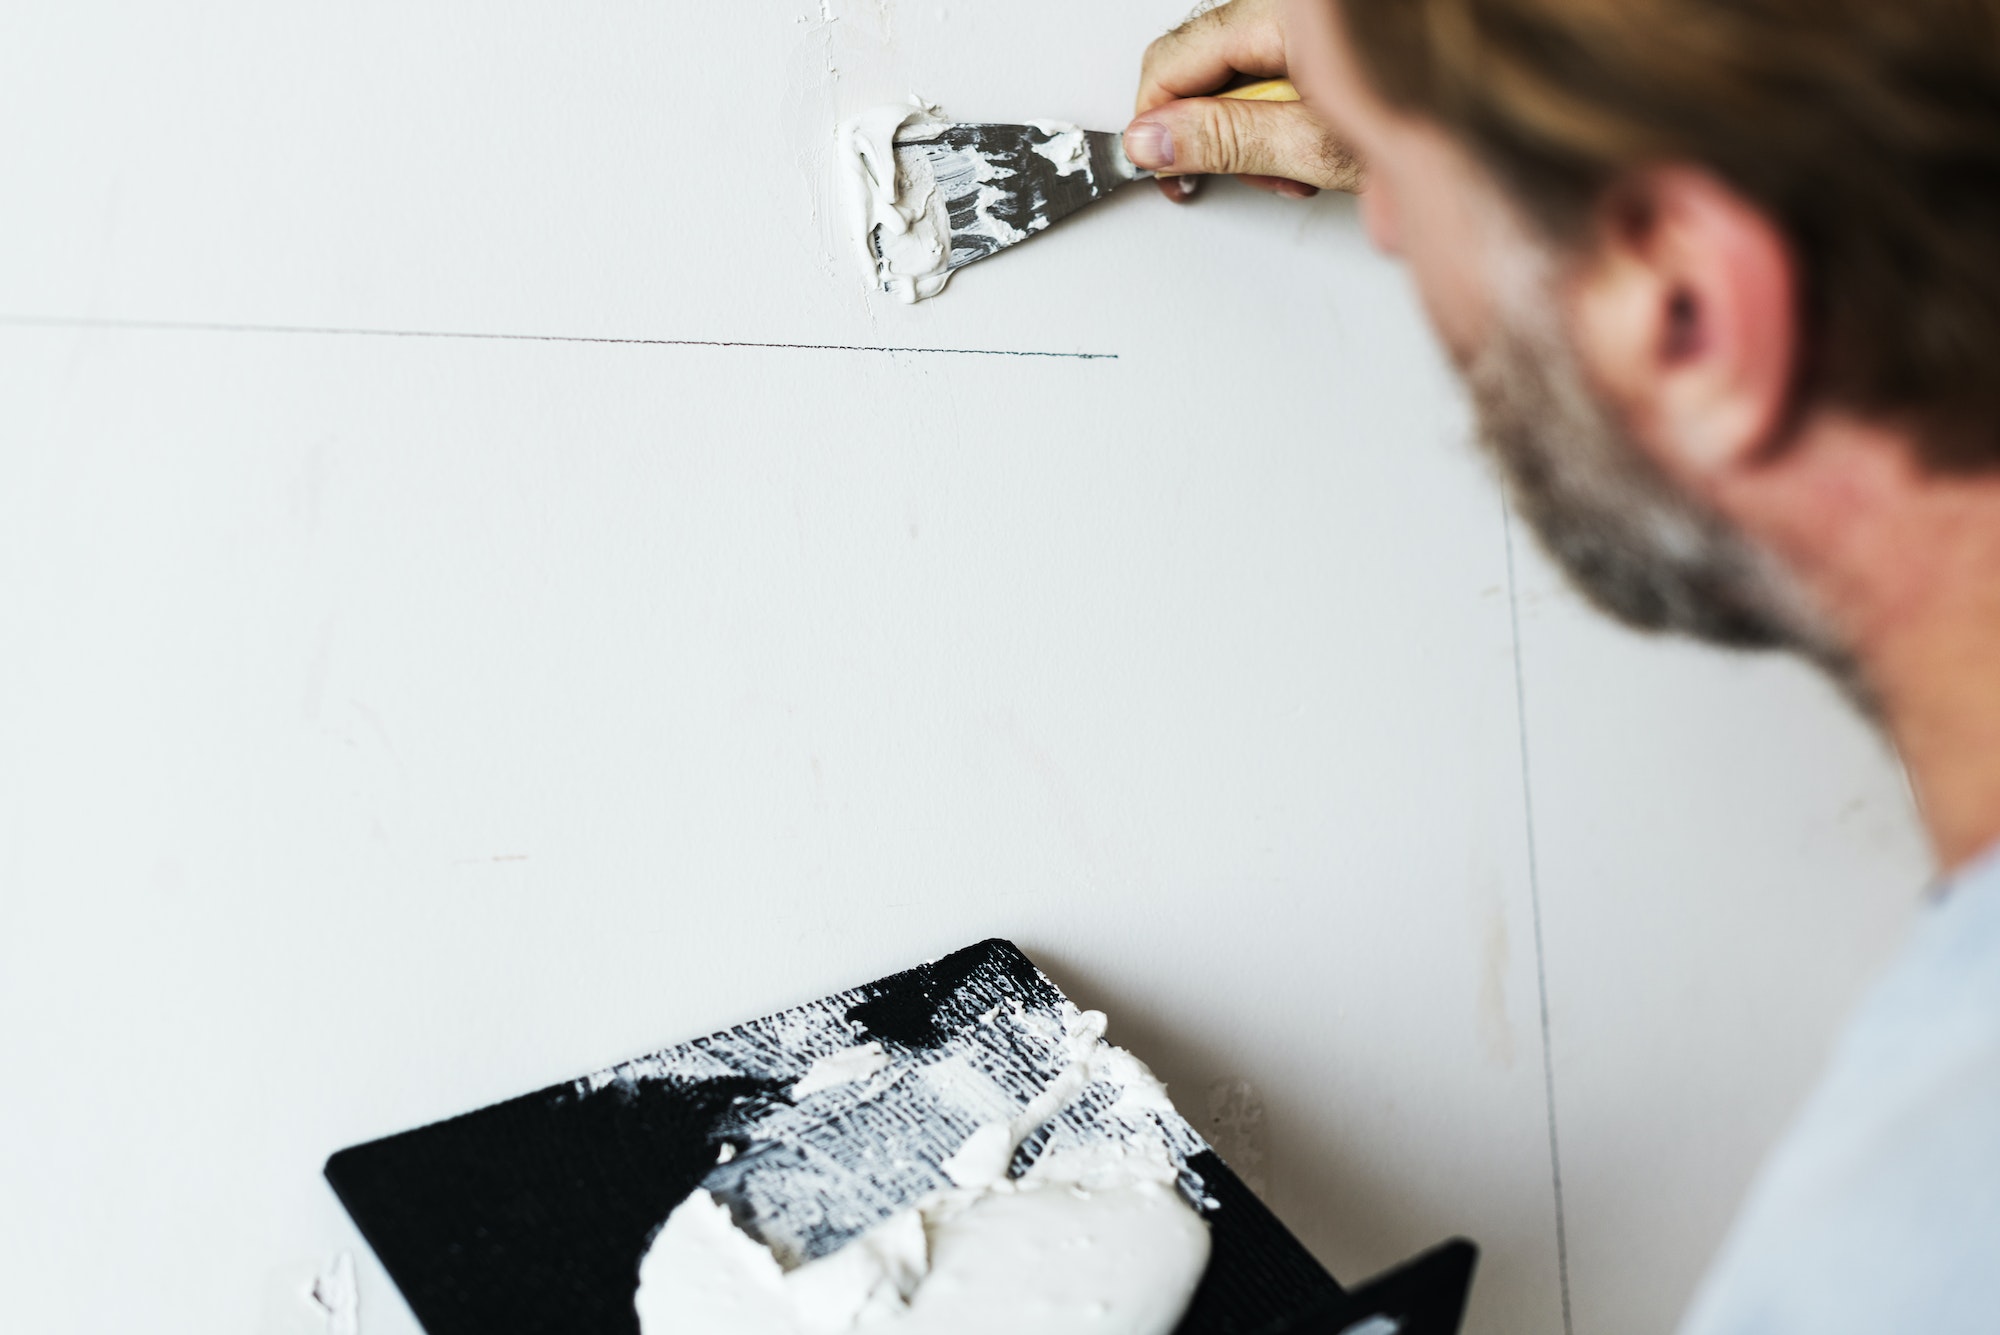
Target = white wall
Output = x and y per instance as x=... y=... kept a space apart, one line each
x=390 y=725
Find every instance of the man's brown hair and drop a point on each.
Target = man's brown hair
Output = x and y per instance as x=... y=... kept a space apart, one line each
x=1869 y=130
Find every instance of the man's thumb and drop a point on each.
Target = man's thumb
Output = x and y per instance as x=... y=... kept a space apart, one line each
x=1213 y=136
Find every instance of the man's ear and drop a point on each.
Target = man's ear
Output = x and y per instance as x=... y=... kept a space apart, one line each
x=1685 y=312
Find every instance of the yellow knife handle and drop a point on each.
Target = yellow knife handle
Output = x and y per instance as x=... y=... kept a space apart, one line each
x=1268 y=90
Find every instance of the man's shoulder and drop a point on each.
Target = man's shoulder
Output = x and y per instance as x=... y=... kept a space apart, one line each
x=1880 y=1209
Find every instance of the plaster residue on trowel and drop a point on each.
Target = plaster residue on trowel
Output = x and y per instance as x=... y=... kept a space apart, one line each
x=1067 y=148
x=1094 y=1236
x=842 y=1068
x=818 y=1169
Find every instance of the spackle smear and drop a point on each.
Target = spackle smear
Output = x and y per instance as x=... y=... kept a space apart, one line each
x=904 y=231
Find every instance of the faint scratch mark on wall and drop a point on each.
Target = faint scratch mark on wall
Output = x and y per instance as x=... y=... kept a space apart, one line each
x=1514 y=601
x=1496 y=1029
x=381 y=731
x=309 y=486
x=325 y=331
x=1066 y=807
x=312 y=693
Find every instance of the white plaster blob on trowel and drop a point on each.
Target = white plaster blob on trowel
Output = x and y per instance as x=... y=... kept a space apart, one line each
x=1085 y=1243
x=841 y=1068
x=1093 y=1239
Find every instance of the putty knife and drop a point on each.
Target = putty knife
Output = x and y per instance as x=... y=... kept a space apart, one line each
x=999 y=185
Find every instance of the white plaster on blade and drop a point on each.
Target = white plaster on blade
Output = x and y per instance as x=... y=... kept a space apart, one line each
x=1066 y=147
x=917 y=211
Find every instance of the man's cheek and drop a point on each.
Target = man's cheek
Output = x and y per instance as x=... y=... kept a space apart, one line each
x=1452 y=293
x=1378 y=215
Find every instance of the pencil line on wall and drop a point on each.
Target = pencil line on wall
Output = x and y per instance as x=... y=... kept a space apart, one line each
x=1535 y=907
x=225 y=327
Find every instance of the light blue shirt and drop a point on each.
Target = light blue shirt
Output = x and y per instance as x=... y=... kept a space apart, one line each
x=1879 y=1211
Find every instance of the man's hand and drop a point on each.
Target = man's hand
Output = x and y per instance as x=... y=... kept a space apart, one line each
x=1184 y=134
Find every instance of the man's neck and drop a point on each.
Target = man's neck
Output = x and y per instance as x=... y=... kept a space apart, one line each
x=1938 y=680
x=1907 y=563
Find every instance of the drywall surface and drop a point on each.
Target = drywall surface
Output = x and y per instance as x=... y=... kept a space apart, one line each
x=393 y=723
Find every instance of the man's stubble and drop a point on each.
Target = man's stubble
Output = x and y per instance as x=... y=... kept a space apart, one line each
x=1634 y=543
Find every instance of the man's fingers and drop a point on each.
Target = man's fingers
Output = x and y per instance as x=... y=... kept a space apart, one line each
x=1184 y=134
x=1209 y=136
x=1210 y=50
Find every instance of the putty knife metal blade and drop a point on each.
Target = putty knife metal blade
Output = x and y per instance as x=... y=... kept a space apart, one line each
x=1001 y=184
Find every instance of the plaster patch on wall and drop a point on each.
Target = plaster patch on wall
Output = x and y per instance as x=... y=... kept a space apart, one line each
x=335 y=1294
x=312 y=1297
x=833 y=41
x=1236 y=1129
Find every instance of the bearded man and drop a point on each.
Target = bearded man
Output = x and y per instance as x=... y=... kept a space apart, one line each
x=1723 y=279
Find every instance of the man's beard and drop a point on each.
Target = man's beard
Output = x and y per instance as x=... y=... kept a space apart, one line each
x=1636 y=545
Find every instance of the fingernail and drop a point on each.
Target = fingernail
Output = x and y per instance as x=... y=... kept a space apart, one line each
x=1297 y=189
x=1185 y=185
x=1149 y=145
